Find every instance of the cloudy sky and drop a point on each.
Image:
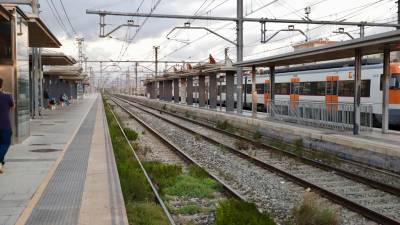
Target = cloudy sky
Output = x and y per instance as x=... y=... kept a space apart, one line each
x=134 y=43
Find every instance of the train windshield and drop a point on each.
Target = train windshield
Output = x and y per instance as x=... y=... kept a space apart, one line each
x=395 y=82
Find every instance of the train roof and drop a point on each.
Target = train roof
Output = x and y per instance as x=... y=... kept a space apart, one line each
x=329 y=65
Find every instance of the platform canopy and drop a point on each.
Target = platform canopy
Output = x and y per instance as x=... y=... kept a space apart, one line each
x=57 y=59
x=4 y=14
x=39 y=34
x=374 y=44
x=62 y=71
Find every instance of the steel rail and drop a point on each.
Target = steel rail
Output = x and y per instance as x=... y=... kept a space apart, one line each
x=179 y=151
x=364 y=180
x=372 y=183
x=159 y=199
x=366 y=212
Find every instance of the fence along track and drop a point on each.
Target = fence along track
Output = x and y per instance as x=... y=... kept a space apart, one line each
x=366 y=212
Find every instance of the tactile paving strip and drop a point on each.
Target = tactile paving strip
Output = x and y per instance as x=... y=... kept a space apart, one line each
x=61 y=200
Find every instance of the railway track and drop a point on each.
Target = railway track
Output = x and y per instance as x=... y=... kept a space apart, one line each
x=376 y=201
x=176 y=150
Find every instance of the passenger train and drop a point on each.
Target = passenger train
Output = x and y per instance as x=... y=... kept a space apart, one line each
x=326 y=82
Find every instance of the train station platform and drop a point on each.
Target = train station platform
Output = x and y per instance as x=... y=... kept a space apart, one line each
x=371 y=148
x=65 y=172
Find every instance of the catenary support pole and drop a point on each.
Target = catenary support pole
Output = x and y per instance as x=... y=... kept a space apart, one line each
x=189 y=91
x=176 y=90
x=357 y=92
x=253 y=93
x=202 y=91
x=385 y=90
x=272 y=89
x=239 y=49
x=229 y=95
x=168 y=90
x=213 y=91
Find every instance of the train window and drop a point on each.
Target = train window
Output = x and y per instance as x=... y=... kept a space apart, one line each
x=321 y=88
x=306 y=88
x=331 y=87
x=294 y=88
x=395 y=82
x=346 y=88
x=260 y=89
x=365 y=88
x=267 y=88
x=248 y=89
x=282 y=88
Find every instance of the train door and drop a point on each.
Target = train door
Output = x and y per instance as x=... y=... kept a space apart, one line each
x=294 y=91
x=267 y=91
x=331 y=94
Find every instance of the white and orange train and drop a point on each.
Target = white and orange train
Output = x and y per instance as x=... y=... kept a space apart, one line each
x=328 y=82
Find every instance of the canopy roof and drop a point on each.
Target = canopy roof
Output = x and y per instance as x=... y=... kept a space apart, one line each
x=4 y=14
x=40 y=36
x=369 y=45
x=57 y=59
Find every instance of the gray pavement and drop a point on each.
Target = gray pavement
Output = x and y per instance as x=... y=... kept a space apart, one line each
x=30 y=162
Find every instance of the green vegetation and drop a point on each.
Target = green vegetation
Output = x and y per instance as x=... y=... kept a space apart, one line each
x=190 y=209
x=164 y=107
x=163 y=175
x=139 y=198
x=131 y=134
x=197 y=172
x=298 y=147
x=188 y=186
x=235 y=212
x=312 y=212
x=257 y=136
x=225 y=125
x=146 y=214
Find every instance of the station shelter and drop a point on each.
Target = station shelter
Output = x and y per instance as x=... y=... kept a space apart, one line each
x=19 y=33
x=64 y=80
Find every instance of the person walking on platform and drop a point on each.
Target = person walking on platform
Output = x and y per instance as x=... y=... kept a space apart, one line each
x=6 y=104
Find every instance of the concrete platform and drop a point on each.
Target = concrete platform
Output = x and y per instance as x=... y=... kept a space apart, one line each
x=65 y=172
x=372 y=148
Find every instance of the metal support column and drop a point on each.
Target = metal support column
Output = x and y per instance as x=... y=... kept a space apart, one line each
x=153 y=90
x=202 y=91
x=168 y=90
x=229 y=95
x=176 y=90
x=239 y=49
x=385 y=90
x=161 y=90
x=357 y=92
x=35 y=82
x=271 y=89
x=189 y=91
x=213 y=91
x=183 y=90
x=253 y=93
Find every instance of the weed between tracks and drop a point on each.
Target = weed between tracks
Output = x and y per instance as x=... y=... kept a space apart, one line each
x=192 y=185
x=139 y=199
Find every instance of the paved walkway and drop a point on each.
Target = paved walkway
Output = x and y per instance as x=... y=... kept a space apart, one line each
x=49 y=177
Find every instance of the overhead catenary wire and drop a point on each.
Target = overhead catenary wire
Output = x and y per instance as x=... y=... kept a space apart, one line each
x=58 y=18
x=68 y=19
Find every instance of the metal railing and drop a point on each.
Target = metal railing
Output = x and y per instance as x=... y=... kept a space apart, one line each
x=338 y=116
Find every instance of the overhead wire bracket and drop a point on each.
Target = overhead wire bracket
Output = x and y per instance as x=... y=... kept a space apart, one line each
x=188 y=27
x=290 y=29
x=130 y=23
